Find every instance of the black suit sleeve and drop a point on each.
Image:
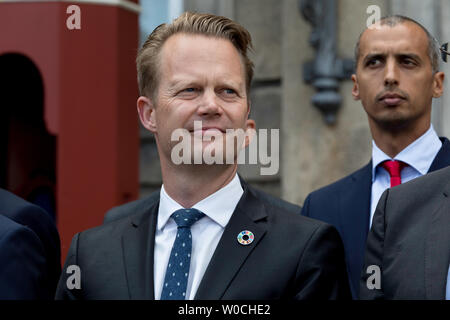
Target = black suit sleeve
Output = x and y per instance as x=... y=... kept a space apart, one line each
x=374 y=253
x=321 y=272
x=63 y=292
x=23 y=273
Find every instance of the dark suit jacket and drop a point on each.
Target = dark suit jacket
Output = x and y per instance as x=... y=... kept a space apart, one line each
x=129 y=208
x=346 y=205
x=410 y=240
x=29 y=250
x=292 y=257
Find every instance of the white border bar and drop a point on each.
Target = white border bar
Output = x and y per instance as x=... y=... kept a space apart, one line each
x=125 y=4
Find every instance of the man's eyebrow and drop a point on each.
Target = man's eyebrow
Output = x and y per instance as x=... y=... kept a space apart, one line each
x=176 y=84
x=179 y=82
x=409 y=55
x=371 y=56
x=233 y=83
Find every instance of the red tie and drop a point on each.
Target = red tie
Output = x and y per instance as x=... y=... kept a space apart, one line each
x=394 y=168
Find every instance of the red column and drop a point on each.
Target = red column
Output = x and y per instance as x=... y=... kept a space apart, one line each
x=90 y=93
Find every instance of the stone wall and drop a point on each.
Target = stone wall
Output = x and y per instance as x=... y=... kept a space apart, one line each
x=313 y=154
x=263 y=19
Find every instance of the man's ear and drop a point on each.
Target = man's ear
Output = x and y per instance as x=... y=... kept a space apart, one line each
x=250 y=131
x=147 y=114
x=438 y=84
x=355 y=89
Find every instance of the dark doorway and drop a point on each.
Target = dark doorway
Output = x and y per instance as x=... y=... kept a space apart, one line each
x=28 y=163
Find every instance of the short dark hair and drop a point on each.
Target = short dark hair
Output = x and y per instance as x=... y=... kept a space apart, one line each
x=392 y=21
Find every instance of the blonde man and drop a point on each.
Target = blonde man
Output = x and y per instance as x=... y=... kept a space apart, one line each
x=209 y=235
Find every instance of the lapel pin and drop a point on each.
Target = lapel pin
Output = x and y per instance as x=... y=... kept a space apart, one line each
x=245 y=237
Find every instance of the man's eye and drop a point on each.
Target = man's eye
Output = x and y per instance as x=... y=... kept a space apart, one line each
x=409 y=62
x=229 y=92
x=187 y=91
x=373 y=62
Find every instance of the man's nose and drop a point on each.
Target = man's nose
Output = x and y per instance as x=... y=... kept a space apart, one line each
x=391 y=76
x=209 y=104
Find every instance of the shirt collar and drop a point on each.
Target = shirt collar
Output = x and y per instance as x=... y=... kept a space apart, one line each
x=218 y=206
x=419 y=154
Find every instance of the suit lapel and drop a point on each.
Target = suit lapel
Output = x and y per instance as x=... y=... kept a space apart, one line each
x=438 y=241
x=229 y=255
x=354 y=216
x=442 y=158
x=355 y=219
x=138 y=243
x=437 y=250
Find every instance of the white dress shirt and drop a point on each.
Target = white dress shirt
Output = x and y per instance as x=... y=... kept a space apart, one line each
x=206 y=233
x=419 y=156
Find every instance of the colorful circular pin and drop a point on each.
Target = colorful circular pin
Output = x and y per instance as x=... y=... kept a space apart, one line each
x=245 y=237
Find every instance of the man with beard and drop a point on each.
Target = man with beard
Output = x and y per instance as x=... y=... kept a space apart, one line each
x=396 y=78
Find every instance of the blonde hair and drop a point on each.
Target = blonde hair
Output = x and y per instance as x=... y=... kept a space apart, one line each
x=147 y=61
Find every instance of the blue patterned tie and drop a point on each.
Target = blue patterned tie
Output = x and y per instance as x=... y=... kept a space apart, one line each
x=177 y=272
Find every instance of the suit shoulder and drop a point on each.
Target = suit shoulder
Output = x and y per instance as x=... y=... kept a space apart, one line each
x=341 y=184
x=300 y=231
x=421 y=190
x=288 y=219
x=118 y=212
x=17 y=208
x=30 y=215
x=114 y=229
x=96 y=240
x=110 y=229
x=129 y=208
x=275 y=201
x=12 y=233
x=8 y=226
x=429 y=183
